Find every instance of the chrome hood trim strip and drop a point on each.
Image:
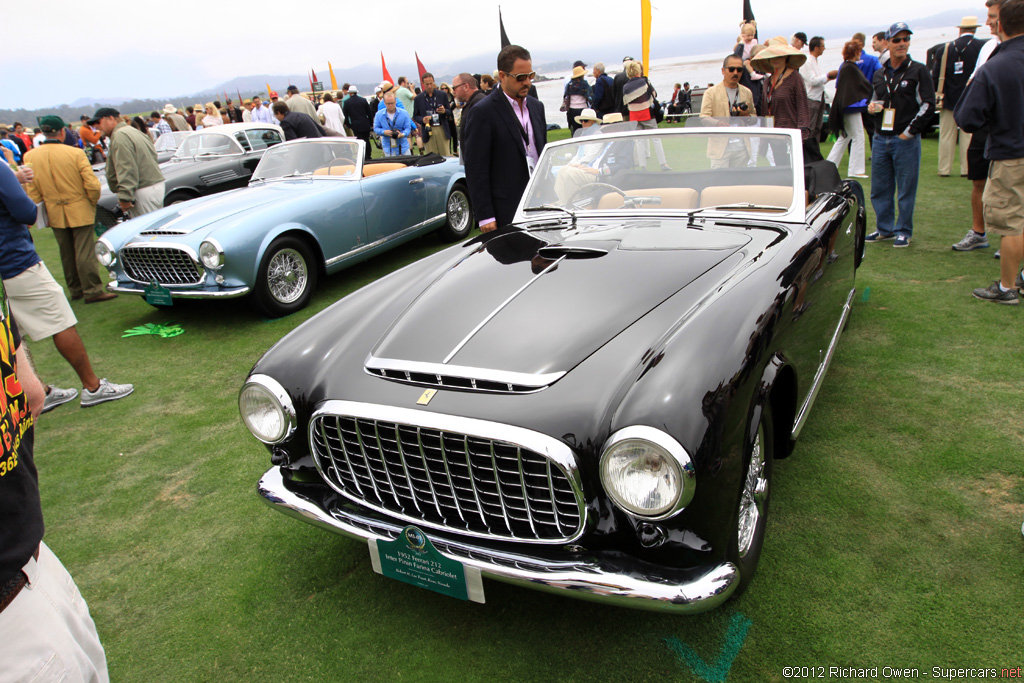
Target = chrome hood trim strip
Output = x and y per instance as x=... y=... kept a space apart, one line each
x=470 y=373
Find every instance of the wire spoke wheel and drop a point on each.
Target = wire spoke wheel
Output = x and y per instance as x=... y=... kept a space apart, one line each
x=753 y=497
x=287 y=275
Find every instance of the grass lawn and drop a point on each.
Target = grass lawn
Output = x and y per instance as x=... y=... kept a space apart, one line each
x=893 y=539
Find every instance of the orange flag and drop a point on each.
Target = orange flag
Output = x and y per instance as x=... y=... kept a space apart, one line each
x=268 y=92
x=334 y=81
x=384 y=69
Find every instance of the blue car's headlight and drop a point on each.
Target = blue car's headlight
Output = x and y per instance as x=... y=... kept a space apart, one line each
x=647 y=473
x=211 y=254
x=105 y=252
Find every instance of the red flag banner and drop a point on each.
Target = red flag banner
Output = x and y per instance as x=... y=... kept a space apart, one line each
x=315 y=79
x=384 y=69
x=419 y=65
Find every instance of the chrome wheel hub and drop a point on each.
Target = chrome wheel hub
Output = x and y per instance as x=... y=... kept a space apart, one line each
x=287 y=274
x=458 y=211
x=755 y=493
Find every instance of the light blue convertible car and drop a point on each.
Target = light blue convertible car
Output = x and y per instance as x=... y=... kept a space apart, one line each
x=312 y=208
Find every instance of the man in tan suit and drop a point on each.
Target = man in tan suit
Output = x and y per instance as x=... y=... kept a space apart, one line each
x=725 y=100
x=66 y=183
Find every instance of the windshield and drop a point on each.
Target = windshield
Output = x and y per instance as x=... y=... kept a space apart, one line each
x=310 y=158
x=168 y=142
x=746 y=168
x=207 y=144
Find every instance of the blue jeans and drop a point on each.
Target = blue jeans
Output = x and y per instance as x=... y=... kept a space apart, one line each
x=895 y=166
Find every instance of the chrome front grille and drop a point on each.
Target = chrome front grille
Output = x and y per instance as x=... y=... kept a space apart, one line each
x=165 y=265
x=452 y=480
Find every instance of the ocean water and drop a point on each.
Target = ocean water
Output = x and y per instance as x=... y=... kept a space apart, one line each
x=700 y=70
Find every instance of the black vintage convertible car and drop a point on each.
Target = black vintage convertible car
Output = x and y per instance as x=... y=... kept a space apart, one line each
x=591 y=400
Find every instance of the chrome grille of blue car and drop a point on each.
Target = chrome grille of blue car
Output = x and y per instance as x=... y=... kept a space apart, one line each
x=165 y=265
x=443 y=479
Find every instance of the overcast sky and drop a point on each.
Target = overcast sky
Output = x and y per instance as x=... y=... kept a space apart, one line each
x=145 y=50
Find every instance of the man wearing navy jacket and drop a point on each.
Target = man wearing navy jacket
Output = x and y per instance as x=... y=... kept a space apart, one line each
x=505 y=134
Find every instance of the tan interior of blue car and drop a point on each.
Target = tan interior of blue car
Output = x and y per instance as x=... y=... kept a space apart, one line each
x=688 y=198
x=368 y=169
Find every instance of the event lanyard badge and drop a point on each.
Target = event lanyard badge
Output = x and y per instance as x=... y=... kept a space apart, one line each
x=888 y=119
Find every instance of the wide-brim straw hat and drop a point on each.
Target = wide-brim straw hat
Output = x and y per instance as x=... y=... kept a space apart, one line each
x=795 y=58
x=588 y=115
x=969 y=22
x=614 y=117
x=170 y=109
x=578 y=72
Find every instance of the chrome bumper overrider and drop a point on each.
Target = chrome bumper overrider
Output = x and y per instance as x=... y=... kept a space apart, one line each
x=183 y=293
x=605 y=577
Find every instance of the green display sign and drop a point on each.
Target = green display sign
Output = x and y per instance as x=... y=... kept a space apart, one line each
x=157 y=295
x=413 y=559
x=318 y=86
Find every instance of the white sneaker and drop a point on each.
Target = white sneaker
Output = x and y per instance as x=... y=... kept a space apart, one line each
x=106 y=391
x=57 y=397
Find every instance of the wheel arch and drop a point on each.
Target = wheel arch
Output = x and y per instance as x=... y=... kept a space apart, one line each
x=298 y=231
x=780 y=392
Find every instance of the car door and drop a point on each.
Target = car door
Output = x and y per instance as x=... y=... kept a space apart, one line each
x=394 y=200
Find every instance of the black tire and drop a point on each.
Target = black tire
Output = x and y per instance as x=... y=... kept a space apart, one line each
x=752 y=501
x=459 y=215
x=286 y=278
x=177 y=197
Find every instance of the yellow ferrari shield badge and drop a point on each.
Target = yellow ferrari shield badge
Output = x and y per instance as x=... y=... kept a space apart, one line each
x=425 y=398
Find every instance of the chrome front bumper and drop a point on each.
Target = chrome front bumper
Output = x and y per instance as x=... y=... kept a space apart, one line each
x=114 y=286
x=611 y=578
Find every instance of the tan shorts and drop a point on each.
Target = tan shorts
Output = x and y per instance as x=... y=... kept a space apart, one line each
x=1004 y=197
x=38 y=303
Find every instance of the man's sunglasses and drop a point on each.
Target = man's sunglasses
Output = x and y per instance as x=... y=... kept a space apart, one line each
x=734 y=69
x=523 y=77
x=897 y=41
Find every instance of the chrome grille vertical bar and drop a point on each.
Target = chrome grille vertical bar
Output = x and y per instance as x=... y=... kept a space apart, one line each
x=526 y=495
x=384 y=464
x=447 y=472
x=344 y=450
x=426 y=468
x=472 y=482
x=366 y=459
x=554 y=506
x=405 y=470
x=497 y=483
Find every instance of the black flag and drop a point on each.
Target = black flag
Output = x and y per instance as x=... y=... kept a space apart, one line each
x=748 y=13
x=504 y=36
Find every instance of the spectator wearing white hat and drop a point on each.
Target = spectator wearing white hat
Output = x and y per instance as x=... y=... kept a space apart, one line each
x=175 y=120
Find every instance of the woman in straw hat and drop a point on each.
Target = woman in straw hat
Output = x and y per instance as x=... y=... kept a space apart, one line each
x=577 y=96
x=783 y=96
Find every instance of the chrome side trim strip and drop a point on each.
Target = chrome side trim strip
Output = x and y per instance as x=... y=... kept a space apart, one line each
x=465 y=372
x=184 y=294
x=549 y=447
x=497 y=310
x=583 y=576
x=819 y=376
x=382 y=240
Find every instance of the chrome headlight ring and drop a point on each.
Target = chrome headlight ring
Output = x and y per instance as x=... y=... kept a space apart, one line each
x=105 y=252
x=211 y=254
x=266 y=409
x=647 y=473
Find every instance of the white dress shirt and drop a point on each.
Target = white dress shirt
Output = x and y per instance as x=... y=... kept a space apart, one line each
x=814 y=77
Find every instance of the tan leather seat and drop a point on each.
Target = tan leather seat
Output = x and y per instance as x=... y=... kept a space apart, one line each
x=343 y=169
x=671 y=198
x=766 y=195
x=377 y=169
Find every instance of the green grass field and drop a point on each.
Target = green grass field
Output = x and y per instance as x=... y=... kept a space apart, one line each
x=893 y=538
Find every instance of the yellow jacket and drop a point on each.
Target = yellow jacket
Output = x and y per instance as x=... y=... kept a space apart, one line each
x=66 y=182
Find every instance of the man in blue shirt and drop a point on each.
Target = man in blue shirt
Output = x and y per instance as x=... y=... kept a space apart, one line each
x=394 y=126
x=9 y=144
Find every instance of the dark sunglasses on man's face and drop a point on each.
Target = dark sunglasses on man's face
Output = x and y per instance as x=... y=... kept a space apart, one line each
x=897 y=41
x=523 y=77
x=734 y=69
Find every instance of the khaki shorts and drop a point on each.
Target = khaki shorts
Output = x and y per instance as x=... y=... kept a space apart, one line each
x=38 y=303
x=1004 y=197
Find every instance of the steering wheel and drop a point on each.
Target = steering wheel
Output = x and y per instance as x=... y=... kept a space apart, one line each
x=590 y=187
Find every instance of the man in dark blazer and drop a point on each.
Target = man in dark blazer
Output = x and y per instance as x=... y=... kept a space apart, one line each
x=505 y=133
x=618 y=84
x=359 y=117
x=961 y=58
x=295 y=124
x=466 y=91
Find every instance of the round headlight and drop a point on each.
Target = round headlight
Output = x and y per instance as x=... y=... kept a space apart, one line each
x=647 y=473
x=211 y=254
x=104 y=253
x=266 y=409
